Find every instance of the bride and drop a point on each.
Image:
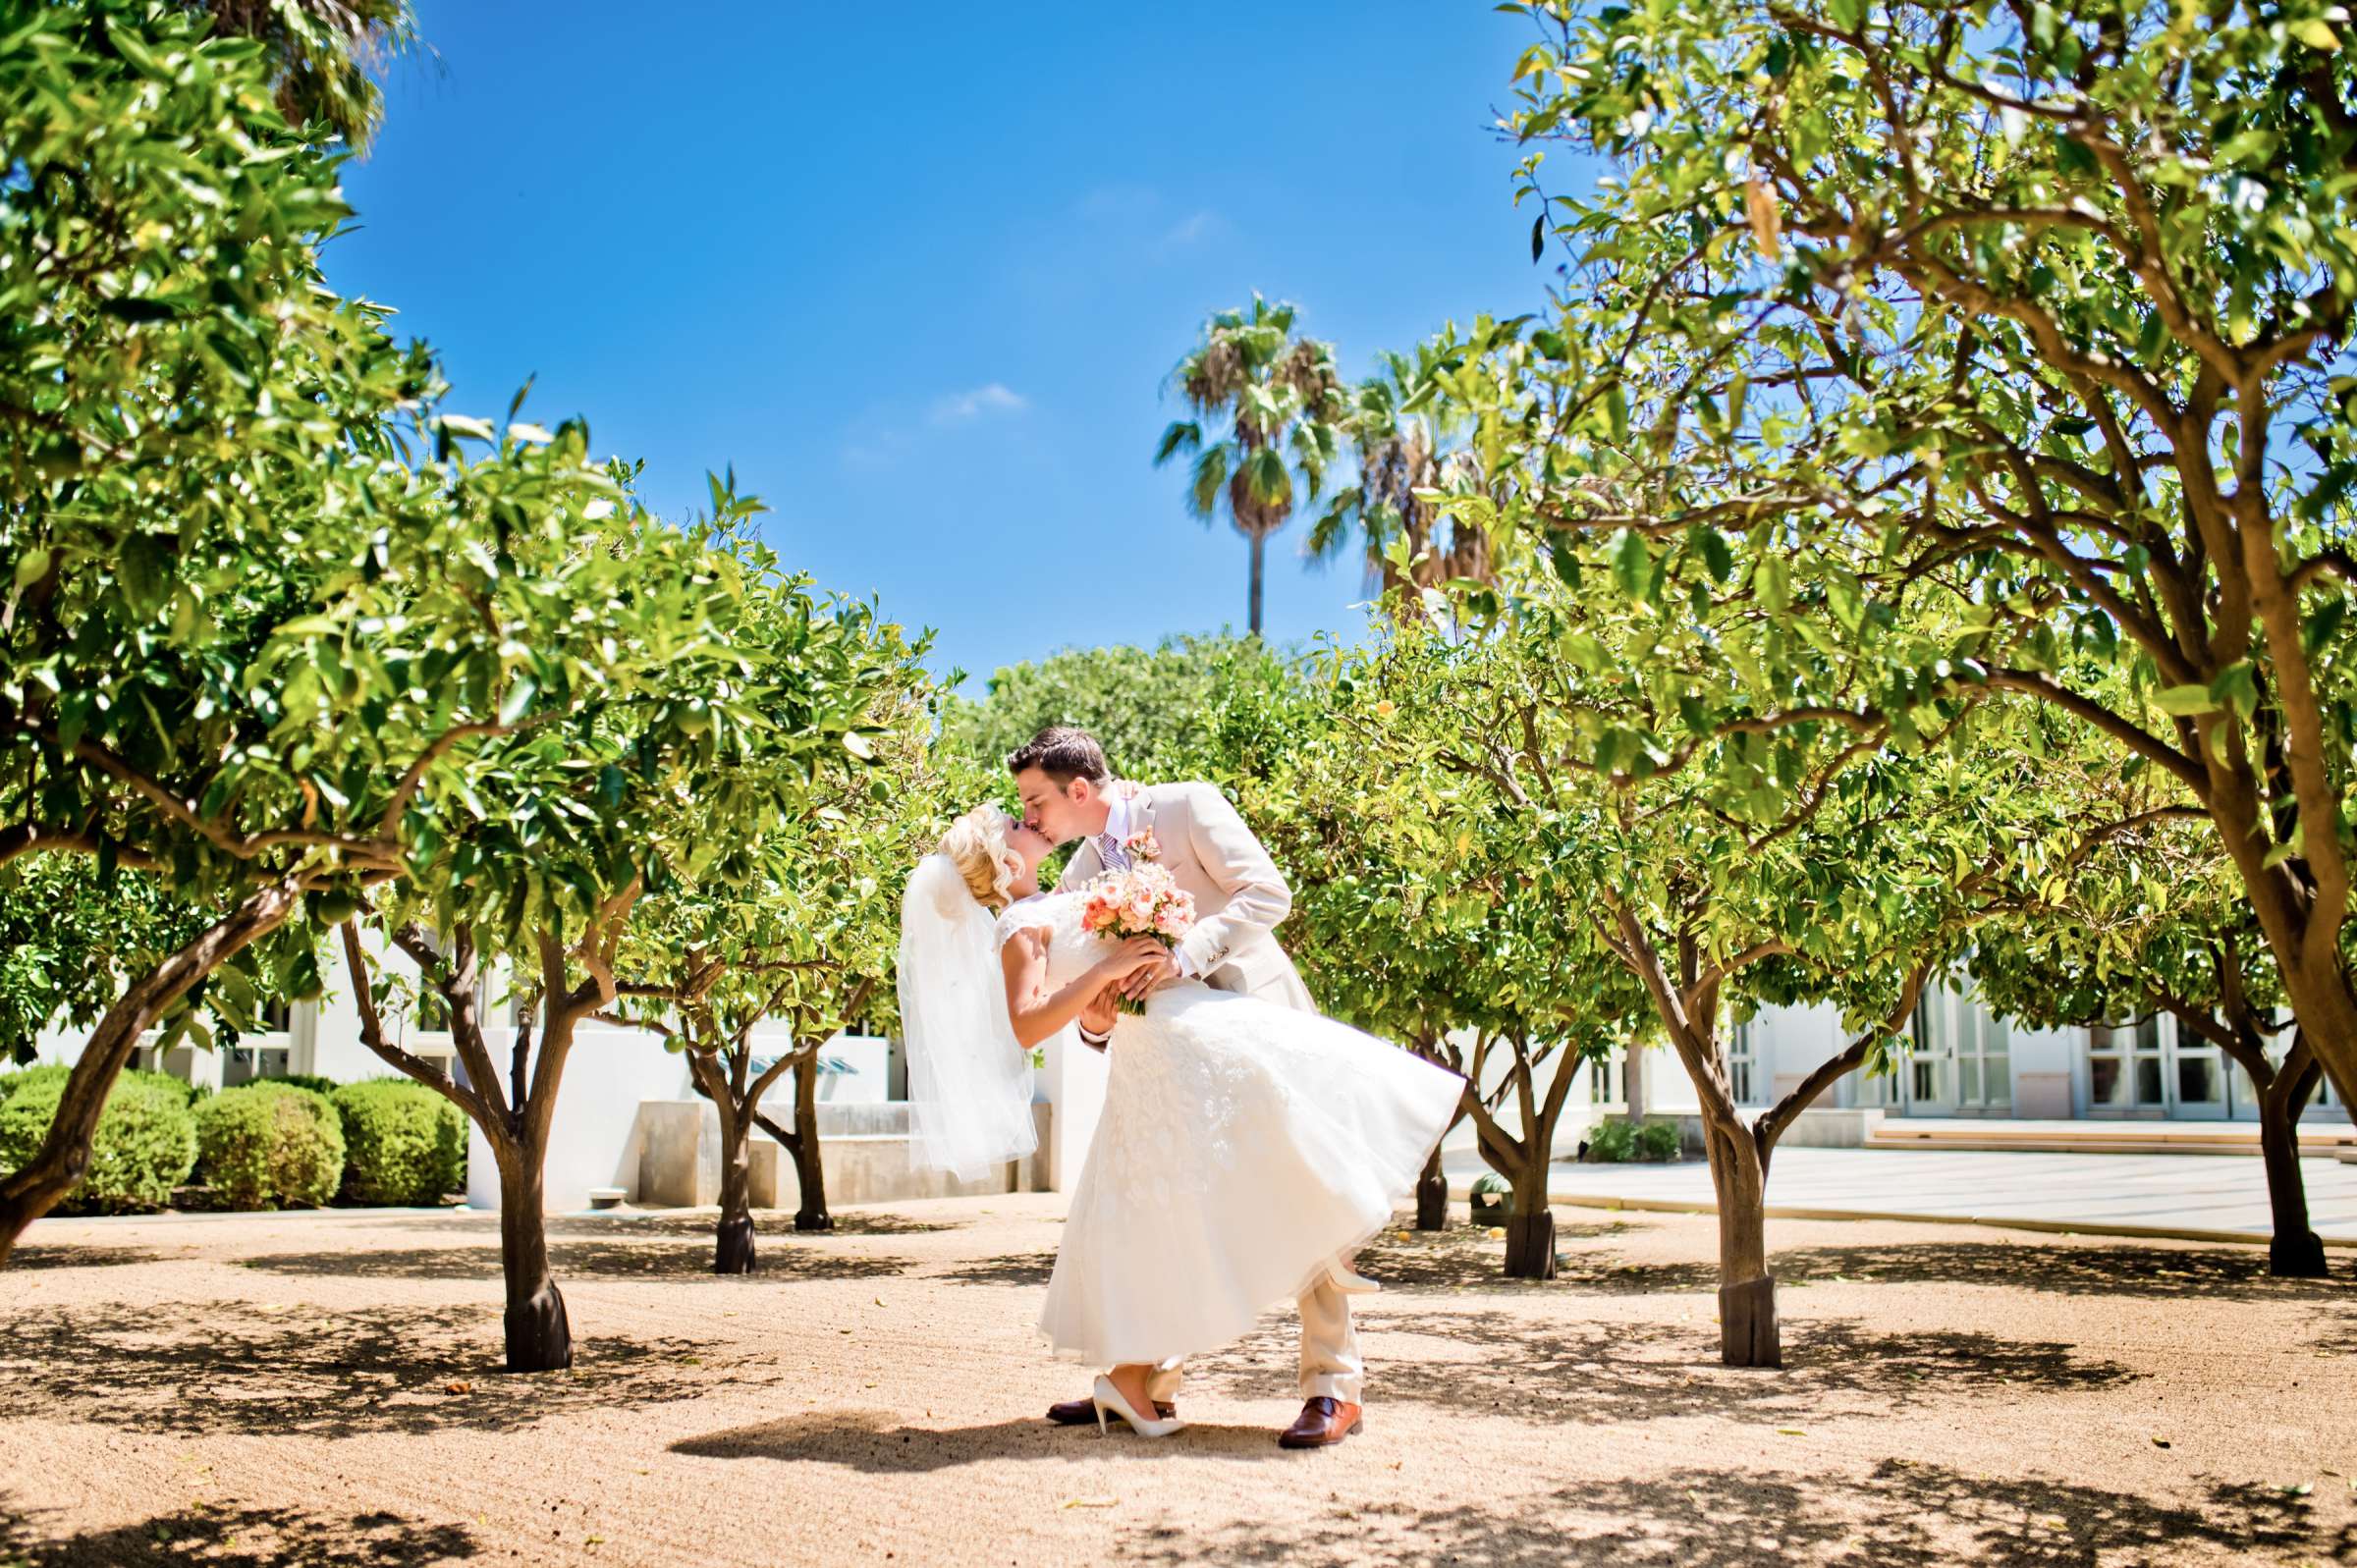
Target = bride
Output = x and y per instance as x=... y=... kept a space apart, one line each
x=1243 y=1146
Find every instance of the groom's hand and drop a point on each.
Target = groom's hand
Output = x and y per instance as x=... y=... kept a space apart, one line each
x=1152 y=977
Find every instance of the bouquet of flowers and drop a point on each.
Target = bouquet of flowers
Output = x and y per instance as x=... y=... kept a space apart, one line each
x=1142 y=902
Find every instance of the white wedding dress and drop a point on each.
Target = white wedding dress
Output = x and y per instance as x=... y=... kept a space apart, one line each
x=1242 y=1146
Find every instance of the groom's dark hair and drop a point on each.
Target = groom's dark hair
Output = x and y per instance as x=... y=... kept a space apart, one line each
x=1064 y=754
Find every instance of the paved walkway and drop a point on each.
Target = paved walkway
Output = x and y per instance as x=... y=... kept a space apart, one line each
x=2208 y=1198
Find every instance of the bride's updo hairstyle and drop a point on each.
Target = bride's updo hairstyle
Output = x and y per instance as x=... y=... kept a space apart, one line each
x=976 y=844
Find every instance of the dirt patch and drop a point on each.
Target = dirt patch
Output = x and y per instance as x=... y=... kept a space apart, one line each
x=321 y=1390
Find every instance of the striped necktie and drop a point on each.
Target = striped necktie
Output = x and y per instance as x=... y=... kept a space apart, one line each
x=1110 y=853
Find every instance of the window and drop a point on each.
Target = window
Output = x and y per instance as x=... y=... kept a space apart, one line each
x=2123 y=1065
x=1741 y=1063
x=1607 y=1085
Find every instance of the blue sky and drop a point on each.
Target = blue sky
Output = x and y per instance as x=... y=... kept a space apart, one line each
x=918 y=272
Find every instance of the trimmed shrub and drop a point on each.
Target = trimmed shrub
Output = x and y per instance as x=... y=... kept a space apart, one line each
x=1621 y=1138
x=1490 y=1199
x=266 y=1146
x=1613 y=1142
x=190 y=1093
x=306 y=1080
x=403 y=1143
x=1657 y=1141
x=145 y=1144
x=47 y=1072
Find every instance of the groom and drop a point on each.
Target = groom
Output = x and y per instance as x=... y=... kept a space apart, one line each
x=1068 y=792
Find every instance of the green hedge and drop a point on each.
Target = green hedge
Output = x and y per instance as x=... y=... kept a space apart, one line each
x=1619 y=1139
x=403 y=1143
x=267 y=1145
x=47 y=1072
x=312 y=1081
x=145 y=1144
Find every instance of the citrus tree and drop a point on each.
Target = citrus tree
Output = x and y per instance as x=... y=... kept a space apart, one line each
x=1161 y=713
x=689 y=697
x=2041 y=306
x=2153 y=923
x=66 y=937
x=220 y=485
x=800 y=926
x=1682 y=784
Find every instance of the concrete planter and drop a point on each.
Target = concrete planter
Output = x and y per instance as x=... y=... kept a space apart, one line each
x=864 y=1146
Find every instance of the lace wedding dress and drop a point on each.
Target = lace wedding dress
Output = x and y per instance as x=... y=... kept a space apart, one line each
x=1243 y=1145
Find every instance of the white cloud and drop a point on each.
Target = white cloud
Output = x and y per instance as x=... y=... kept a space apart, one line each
x=888 y=436
x=991 y=398
x=1190 y=229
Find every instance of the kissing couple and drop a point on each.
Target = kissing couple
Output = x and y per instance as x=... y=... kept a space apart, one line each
x=1248 y=1145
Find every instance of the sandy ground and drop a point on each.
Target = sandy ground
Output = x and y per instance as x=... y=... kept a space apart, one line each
x=322 y=1388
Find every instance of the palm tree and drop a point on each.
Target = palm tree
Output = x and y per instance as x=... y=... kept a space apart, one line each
x=328 y=54
x=1277 y=395
x=1397 y=429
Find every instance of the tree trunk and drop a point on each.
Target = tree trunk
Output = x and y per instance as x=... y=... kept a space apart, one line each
x=732 y=1252
x=2295 y=1252
x=809 y=1172
x=1431 y=1194
x=538 y=1336
x=27 y=1193
x=1260 y=549
x=1747 y=1326
x=1530 y=1226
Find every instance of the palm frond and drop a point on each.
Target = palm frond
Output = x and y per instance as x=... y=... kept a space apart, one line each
x=1210 y=476
x=1183 y=435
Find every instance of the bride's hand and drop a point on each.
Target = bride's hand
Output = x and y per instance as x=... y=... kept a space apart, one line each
x=1104 y=1009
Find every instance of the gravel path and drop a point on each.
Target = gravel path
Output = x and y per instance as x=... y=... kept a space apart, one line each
x=315 y=1389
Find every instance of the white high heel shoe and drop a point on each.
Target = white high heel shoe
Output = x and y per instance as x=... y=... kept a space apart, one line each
x=1109 y=1399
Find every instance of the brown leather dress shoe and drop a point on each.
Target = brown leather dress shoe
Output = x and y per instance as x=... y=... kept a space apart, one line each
x=1083 y=1413
x=1323 y=1422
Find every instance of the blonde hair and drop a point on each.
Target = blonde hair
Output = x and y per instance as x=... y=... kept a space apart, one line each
x=976 y=844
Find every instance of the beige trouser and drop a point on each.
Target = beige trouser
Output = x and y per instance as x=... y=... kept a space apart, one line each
x=1330 y=1361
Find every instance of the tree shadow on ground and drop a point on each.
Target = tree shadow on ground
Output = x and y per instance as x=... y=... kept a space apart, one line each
x=881 y=1442
x=1550 y=1372
x=240 y=1538
x=2339 y=1338
x=1899 y=1515
x=652 y=1259
x=1029 y=1269
x=223 y=1368
x=68 y=1256
x=2120 y=1269
x=1466 y=1258
x=635 y=1224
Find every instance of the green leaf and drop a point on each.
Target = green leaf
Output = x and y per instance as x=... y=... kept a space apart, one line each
x=1632 y=564
x=2324 y=623
x=2236 y=686
x=1715 y=553
x=519 y=700
x=2316 y=33
x=2185 y=701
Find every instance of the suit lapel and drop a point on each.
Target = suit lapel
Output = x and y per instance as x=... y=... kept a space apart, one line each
x=1141 y=813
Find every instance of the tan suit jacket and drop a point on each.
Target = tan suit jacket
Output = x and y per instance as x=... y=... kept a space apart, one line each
x=1240 y=894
